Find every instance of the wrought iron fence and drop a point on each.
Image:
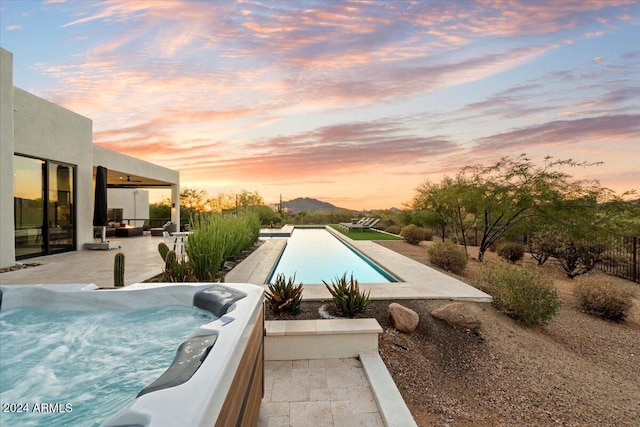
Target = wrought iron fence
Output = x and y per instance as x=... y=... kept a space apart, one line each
x=621 y=257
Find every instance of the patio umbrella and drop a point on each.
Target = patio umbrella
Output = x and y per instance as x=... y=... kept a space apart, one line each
x=100 y=207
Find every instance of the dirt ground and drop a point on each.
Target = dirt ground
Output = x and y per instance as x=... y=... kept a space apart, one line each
x=577 y=371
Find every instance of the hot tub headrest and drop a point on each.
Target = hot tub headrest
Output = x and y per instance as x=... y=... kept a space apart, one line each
x=189 y=357
x=217 y=299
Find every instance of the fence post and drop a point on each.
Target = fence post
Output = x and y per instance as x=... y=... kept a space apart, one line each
x=635 y=259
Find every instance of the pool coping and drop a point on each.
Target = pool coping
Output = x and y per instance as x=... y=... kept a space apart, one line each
x=418 y=281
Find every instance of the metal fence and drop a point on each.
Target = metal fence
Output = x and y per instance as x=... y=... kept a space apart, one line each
x=621 y=257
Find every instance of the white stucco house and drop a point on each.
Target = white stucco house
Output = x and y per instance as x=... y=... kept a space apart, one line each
x=47 y=172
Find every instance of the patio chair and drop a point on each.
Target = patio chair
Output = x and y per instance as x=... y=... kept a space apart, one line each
x=346 y=225
x=366 y=225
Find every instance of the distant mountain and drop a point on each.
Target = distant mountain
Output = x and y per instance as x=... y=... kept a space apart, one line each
x=307 y=204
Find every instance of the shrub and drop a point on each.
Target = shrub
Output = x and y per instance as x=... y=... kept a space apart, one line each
x=216 y=238
x=177 y=271
x=284 y=295
x=347 y=296
x=511 y=251
x=448 y=255
x=599 y=297
x=544 y=245
x=527 y=296
x=578 y=258
x=412 y=234
x=495 y=245
x=394 y=229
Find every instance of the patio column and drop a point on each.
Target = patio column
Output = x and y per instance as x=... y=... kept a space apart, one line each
x=175 y=204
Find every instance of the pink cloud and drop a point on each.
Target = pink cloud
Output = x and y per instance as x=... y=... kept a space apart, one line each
x=565 y=132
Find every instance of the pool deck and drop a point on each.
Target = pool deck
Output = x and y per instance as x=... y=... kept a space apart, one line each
x=142 y=261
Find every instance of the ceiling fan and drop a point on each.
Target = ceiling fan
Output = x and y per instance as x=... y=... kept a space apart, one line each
x=131 y=180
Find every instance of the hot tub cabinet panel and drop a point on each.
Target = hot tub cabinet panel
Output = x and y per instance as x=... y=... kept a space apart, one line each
x=242 y=404
x=225 y=386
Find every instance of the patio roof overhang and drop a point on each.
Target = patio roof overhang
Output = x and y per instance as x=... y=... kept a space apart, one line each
x=120 y=179
x=129 y=172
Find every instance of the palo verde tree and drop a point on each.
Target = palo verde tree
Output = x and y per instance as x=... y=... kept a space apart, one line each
x=512 y=191
x=450 y=204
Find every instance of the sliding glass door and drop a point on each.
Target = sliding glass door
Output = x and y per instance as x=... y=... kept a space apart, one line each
x=44 y=207
x=60 y=207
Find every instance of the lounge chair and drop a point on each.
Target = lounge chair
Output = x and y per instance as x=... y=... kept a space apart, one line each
x=366 y=225
x=346 y=225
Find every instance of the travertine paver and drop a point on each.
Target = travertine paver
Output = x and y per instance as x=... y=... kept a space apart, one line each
x=326 y=392
x=142 y=261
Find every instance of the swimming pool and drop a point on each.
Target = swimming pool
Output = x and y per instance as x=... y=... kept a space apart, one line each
x=216 y=374
x=314 y=255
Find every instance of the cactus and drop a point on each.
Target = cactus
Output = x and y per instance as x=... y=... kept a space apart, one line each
x=163 y=249
x=118 y=270
x=177 y=271
x=170 y=260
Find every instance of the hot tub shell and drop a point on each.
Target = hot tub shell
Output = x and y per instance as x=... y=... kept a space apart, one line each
x=227 y=385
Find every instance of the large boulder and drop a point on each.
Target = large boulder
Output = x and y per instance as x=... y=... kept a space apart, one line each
x=458 y=314
x=403 y=318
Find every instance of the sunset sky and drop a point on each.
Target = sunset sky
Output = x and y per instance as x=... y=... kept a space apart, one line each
x=355 y=103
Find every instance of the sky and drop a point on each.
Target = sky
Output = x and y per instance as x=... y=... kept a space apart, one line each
x=355 y=103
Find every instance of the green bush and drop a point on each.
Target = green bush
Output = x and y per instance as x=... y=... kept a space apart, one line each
x=215 y=238
x=511 y=251
x=527 y=296
x=412 y=234
x=599 y=297
x=347 y=296
x=448 y=255
x=284 y=295
x=393 y=229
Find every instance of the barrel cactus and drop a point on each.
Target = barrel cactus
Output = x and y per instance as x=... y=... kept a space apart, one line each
x=118 y=270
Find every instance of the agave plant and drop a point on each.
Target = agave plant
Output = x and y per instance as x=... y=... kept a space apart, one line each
x=284 y=295
x=348 y=298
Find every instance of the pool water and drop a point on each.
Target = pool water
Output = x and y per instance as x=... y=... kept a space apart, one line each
x=84 y=365
x=314 y=255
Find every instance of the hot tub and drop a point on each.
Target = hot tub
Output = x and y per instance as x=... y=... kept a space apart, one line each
x=216 y=377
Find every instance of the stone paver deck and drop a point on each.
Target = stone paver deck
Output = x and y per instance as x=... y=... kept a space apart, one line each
x=142 y=261
x=325 y=392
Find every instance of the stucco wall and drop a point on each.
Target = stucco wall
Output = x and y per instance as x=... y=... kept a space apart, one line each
x=32 y=126
x=46 y=130
x=134 y=203
x=7 y=248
